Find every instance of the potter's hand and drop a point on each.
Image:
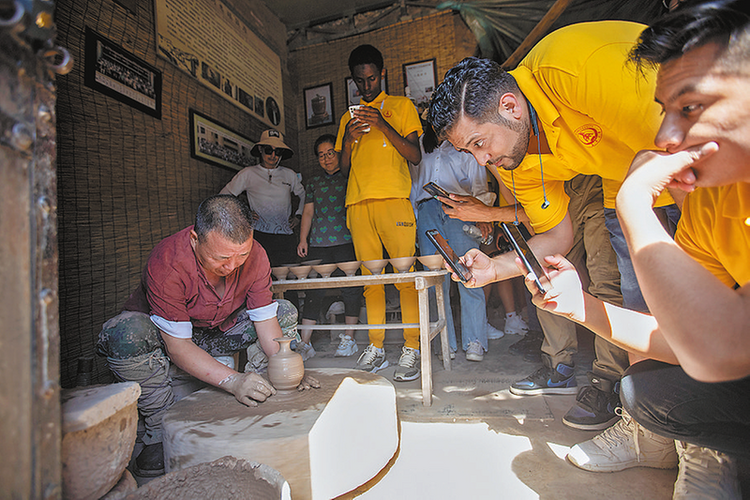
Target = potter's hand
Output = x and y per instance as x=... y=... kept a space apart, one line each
x=308 y=382
x=248 y=388
x=482 y=269
x=564 y=295
x=653 y=171
x=464 y=208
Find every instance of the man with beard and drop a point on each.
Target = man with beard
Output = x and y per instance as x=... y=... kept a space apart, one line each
x=560 y=131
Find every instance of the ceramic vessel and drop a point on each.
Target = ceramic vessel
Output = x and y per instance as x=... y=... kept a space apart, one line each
x=325 y=270
x=432 y=262
x=350 y=268
x=301 y=272
x=285 y=368
x=375 y=266
x=403 y=264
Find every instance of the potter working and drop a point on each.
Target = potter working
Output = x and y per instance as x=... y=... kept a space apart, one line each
x=205 y=293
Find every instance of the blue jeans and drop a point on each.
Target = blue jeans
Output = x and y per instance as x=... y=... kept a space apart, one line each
x=430 y=215
x=665 y=400
x=632 y=297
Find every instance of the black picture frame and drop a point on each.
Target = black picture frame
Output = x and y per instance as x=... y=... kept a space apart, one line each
x=217 y=144
x=352 y=92
x=118 y=74
x=318 y=105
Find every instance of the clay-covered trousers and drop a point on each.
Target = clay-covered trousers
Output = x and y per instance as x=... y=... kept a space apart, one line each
x=591 y=247
x=132 y=345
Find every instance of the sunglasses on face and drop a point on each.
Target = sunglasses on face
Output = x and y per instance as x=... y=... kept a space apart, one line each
x=269 y=150
x=327 y=154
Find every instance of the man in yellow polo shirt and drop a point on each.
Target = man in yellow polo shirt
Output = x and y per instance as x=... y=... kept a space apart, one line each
x=695 y=386
x=572 y=111
x=375 y=144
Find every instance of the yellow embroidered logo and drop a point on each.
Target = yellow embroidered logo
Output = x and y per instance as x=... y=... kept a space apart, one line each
x=404 y=224
x=590 y=135
x=387 y=113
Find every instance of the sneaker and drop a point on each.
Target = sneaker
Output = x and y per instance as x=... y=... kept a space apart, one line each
x=705 y=473
x=439 y=353
x=547 y=380
x=595 y=406
x=347 y=346
x=372 y=359
x=531 y=342
x=624 y=445
x=493 y=333
x=515 y=325
x=408 y=365
x=150 y=462
x=475 y=351
x=305 y=350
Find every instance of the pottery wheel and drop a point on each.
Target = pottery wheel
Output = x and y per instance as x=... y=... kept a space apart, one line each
x=314 y=438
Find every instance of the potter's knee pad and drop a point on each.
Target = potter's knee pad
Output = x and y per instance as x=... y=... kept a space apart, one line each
x=127 y=335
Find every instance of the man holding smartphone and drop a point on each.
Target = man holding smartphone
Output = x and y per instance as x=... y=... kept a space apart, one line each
x=560 y=131
x=695 y=385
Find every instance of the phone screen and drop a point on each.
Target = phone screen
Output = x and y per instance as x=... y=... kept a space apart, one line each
x=449 y=255
x=530 y=262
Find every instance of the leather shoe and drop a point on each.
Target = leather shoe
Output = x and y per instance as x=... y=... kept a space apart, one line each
x=150 y=462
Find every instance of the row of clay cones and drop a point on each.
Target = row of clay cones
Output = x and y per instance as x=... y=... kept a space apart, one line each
x=400 y=264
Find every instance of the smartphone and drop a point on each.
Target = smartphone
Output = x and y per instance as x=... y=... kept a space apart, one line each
x=530 y=262
x=435 y=190
x=449 y=255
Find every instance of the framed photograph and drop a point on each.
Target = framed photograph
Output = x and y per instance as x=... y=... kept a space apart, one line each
x=114 y=72
x=217 y=144
x=420 y=78
x=352 y=92
x=319 y=105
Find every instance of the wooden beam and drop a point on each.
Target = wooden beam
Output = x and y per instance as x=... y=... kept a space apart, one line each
x=537 y=33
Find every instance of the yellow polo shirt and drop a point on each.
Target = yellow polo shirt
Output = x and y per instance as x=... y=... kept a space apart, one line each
x=714 y=230
x=596 y=109
x=378 y=170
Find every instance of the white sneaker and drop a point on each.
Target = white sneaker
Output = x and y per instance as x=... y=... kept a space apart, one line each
x=305 y=350
x=493 y=333
x=624 y=445
x=475 y=351
x=515 y=325
x=347 y=346
x=372 y=359
x=408 y=365
x=705 y=474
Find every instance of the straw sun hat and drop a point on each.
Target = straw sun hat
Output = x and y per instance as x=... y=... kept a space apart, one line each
x=274 y=139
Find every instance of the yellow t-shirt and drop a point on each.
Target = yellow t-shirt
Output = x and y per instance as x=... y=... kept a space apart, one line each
x=378 y=170
x=596 y=109
x=714 y=230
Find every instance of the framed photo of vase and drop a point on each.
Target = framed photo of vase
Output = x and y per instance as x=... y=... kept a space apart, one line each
x=319 y=105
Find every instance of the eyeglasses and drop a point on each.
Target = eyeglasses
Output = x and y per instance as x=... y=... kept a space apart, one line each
x=270 y=150
x=327 y=154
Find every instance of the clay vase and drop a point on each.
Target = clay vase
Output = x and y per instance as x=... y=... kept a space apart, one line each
x=285 y=368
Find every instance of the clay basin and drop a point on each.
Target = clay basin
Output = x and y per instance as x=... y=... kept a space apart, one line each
x=403 y=264
x=350 y=268
x=375 y=266
x=280 y=272
x=432 y=262
x=313 y=262
x=301 y=272
x=325 y=270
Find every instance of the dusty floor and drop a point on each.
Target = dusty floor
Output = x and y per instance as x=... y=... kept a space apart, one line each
x=478 y=441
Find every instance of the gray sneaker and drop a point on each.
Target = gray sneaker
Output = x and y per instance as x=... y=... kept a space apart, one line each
x=372 y=359
x=408 y=365
x=475 y=351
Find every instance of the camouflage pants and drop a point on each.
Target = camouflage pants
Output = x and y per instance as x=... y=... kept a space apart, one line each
x=134 y=351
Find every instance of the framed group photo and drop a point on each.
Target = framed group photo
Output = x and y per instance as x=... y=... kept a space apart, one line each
x=319 y=105
x=114 y=72
x=217 y=144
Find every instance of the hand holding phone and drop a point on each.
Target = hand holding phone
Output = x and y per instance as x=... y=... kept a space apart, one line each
x=529 y=260
x=436 y=190
x=449 y=255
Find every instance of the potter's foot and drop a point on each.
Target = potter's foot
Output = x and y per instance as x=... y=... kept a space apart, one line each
x=150 y=462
